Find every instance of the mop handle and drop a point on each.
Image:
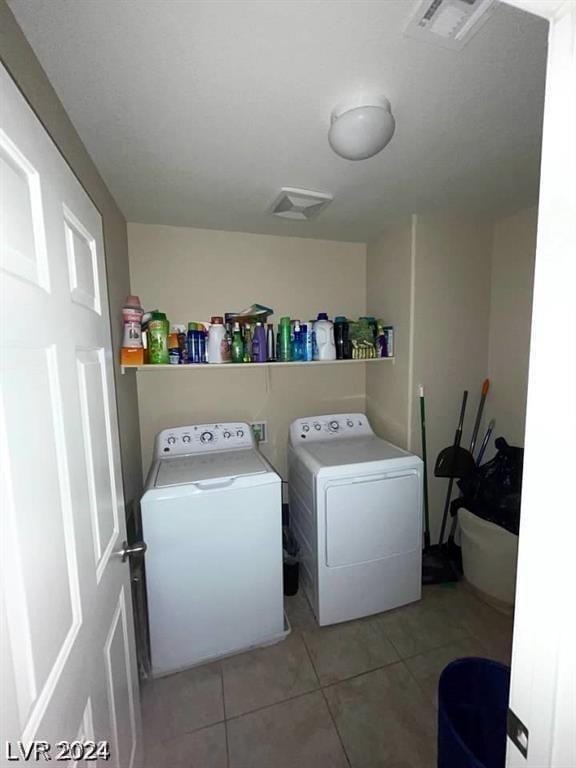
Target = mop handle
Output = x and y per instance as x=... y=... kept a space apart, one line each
x=425 y=460
x=485 y=388
x=485 y=442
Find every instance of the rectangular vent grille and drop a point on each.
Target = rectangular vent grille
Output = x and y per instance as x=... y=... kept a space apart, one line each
x=449 y=23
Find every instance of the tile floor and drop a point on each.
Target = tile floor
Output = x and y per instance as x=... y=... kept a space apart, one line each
x=354 y=695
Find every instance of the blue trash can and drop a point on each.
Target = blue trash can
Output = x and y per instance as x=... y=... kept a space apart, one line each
x=472 y=709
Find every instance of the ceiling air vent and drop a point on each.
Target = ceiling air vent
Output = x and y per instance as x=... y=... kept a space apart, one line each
x=301 y=204
x=448 y=23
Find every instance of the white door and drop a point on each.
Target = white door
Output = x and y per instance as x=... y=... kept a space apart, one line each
x=68 y=659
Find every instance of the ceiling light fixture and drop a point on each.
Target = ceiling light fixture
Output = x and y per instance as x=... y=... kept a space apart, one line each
x=361 y=127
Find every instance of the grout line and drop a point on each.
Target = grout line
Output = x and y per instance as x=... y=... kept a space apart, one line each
x=225 y=718
x=273 y=704
x=335 y=724
x=310 y=659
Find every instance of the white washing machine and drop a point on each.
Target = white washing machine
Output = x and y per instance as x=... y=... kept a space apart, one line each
x=212 y=522
x=356 y=511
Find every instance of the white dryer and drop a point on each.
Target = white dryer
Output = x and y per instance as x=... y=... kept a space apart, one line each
x=356 y=511
x=212 y=521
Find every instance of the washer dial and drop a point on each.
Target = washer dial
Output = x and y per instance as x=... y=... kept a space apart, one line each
x=206 y=437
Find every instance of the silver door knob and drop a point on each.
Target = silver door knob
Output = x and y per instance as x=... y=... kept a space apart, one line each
x=131 y=551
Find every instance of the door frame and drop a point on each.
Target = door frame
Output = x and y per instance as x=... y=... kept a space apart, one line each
x=543 y=685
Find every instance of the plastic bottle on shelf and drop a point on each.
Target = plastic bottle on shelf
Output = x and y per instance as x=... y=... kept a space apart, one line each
x=218 y=349
x=270 y=343
x=259 y=344
x=173 y=349
x=237 y=344
x=341 y=336
x=158 y=339
x=324 y=331
x=283 y=351
x=297 y=347
x=247 y=343
x=307 y=342
x=132 y=348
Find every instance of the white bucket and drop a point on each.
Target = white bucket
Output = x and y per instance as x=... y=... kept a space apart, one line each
x=489 y=555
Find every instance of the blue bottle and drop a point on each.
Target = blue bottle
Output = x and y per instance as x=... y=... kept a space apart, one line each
x=307 y=342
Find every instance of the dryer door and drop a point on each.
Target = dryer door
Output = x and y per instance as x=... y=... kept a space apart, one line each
x=372 y=517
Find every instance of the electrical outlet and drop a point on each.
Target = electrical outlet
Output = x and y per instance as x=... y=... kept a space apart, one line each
x=260 y=430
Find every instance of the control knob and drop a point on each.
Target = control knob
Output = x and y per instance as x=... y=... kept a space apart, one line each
x=317 y=426
x=186 y=439
x=227 y=435
x=350 y=423
x=334 y=426
x=206 y=437
x=306 y=428
x=240 y=433
x=171 y=440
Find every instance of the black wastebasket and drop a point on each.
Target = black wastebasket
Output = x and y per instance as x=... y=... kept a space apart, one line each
x=291 y=562
x=472 y=708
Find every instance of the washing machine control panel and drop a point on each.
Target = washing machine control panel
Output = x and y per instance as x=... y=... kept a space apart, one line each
x=201 y=438
x=335 y=426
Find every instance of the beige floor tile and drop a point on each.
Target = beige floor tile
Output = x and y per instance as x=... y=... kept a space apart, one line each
x=178 y=704
x=299 y=612
x=384 y=719
x=345 y=650
x=476 y=618
x=420 y=626
x=205 y=748
x=427 y=667
x=267 y=675
x=295 y=734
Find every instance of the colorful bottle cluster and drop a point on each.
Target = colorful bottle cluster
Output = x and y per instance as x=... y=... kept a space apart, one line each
x=148 y=338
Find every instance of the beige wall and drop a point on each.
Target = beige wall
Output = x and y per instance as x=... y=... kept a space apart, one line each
x=451 y=325
x=22 y=64
x=468 y=282
x=192 y=274
x=388 y=292
x=510 y=315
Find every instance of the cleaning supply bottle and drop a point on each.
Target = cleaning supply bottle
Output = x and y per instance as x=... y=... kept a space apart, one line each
x=158 y=339
x=307 y=342
x=284 y=340
x=297 y=350
x=218 y=351
x=259 y=344
x=132 y=348
x=313 y=339
x=173 y=349
x=247 y=344
x=324 y=331
x=270 y=343
x=341 y=338
x=237 y=344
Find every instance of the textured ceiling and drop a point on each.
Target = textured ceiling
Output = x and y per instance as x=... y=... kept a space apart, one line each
x=196 y=113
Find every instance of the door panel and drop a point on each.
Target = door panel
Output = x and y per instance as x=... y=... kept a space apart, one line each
x=66 y=640
x=40 y=522
x=22 y=224
x=119 y=687
x=372 y=518
x=98 y=452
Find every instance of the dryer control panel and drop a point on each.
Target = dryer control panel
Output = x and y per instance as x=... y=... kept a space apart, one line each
x=203 y=438
x=336 y=426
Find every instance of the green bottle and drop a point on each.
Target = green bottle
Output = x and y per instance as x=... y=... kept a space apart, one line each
x=247 y=344
x=284 y=342
x=237 y=345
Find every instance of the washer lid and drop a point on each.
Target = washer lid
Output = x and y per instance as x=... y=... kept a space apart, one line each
x=225 y=465
x=336 y=453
